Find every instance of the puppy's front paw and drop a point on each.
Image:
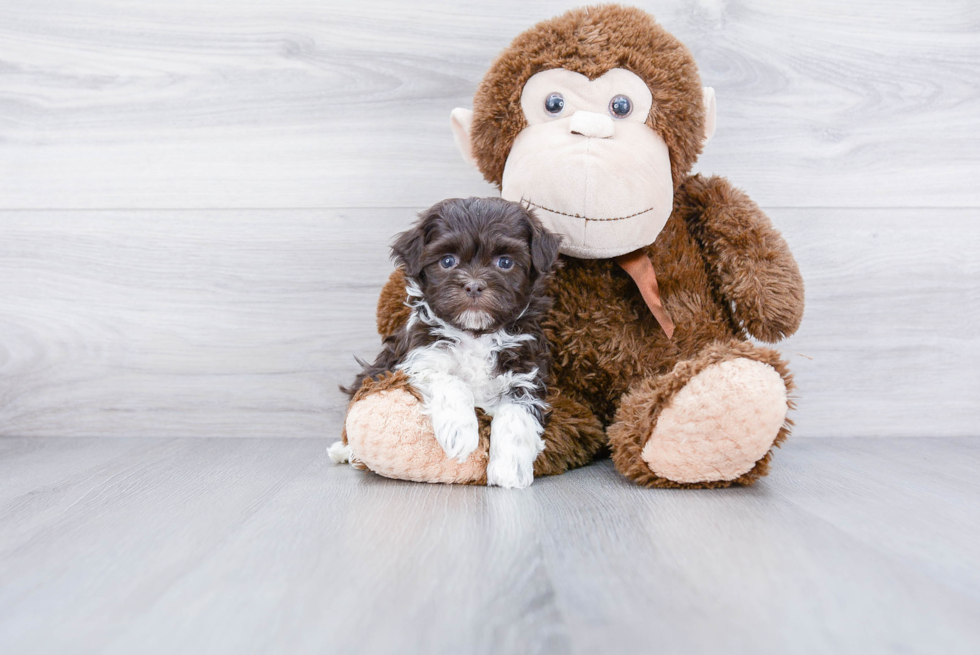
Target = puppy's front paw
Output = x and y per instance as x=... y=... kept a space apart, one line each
x=510 y=473
x=457 y=432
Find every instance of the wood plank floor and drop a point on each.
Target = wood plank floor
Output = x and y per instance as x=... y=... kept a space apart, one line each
x=199 y=545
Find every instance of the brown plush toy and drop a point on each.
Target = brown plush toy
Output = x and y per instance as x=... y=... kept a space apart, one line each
x=594 y=119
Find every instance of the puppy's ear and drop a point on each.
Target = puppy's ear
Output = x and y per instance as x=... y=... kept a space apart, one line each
x=409 y=246
x=544 y=246
x=407 y=250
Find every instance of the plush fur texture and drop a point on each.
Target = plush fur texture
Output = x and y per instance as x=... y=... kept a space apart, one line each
x=724 y=274
x=476 y=271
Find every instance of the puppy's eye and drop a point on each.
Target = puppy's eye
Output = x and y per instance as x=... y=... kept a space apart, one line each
x=554 y=103
x=448 y=261
x=621 y=106
x=505 y=263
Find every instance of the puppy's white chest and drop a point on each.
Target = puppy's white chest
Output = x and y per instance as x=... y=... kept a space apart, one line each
x=472 y=360
x=464 y=360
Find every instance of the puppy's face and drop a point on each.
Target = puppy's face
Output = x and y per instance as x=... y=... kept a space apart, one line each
x=477 y=260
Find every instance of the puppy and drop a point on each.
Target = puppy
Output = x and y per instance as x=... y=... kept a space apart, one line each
x=477 y=270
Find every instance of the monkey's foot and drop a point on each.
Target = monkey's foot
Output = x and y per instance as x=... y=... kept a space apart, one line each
x=705 y=424
x=389 y=434
x=719 y=425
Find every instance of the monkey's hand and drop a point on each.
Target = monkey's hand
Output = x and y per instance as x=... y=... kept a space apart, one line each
x=450 y=406
x=392 y=312
x=749 y=260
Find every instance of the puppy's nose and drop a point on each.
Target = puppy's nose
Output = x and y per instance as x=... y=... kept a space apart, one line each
x=591 y=124
x=474 y=288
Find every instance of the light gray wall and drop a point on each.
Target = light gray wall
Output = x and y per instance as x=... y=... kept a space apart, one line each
x=196 y=198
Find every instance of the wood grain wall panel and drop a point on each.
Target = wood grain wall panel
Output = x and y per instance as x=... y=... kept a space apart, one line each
x=243 y=323
x=294 y=103
x=223 y=322
x=890 y=341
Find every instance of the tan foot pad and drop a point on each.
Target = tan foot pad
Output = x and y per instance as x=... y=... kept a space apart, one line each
x=720 y=424
x=389 y=434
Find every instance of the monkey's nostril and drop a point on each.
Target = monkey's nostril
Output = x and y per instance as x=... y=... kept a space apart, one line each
x=474 y=288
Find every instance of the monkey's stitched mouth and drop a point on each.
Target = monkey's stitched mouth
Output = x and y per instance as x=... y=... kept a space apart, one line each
x=585 y=218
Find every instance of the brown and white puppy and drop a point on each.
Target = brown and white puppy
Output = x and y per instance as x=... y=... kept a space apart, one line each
x=476 y=272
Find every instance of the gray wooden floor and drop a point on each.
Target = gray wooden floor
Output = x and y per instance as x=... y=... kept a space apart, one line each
x=263 y=545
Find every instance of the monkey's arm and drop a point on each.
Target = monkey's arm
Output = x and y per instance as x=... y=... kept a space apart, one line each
x=749 y=260
x=392 y=312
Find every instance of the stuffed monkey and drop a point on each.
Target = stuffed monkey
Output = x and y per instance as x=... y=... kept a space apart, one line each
x=594 y=119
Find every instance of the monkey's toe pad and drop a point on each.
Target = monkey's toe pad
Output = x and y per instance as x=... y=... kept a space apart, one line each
x=720 y=424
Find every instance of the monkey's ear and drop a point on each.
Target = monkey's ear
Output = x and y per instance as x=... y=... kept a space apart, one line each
x=710 y=113
x=461 y=120
x=407 y=250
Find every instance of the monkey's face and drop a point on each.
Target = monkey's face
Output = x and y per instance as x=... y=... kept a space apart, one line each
x=592 y=118
x=589 y=164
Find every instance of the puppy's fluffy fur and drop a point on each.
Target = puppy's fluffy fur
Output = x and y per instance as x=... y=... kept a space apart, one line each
x=476 y=272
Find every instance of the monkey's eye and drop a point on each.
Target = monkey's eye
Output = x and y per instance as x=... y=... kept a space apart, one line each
x=505 y=262
x=621 y=106
x=554 y=104
x=448 y=261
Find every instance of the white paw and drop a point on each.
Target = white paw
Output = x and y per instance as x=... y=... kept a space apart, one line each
x=515 y=442
x=339 y=452
x=510 y=473
x=457 y=432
